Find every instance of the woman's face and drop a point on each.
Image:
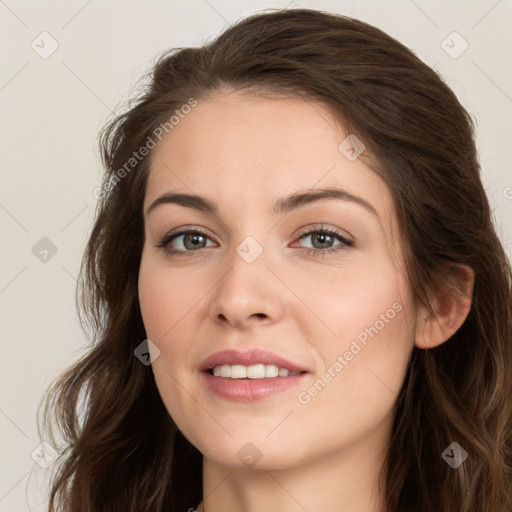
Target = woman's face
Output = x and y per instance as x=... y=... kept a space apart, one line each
x=251 y=280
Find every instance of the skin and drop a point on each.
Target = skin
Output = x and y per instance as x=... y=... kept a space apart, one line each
x=243 y=152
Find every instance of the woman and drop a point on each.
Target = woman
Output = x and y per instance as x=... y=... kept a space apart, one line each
x=297 y=294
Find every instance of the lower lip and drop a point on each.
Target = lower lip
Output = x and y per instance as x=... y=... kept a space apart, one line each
x=249 y=390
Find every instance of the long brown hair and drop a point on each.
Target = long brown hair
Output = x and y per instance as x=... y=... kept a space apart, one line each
x=124 y=452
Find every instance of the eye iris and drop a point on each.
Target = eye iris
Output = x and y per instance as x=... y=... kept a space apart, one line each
x=192 y=237
x=322 y=236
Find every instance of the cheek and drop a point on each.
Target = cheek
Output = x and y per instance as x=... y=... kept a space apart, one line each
x=369 y=313
x=361 y=370
x=161 y=310
x=166 y=306
x=351 y=297
x=156 y=305
x=164 y=298
x=167 y=298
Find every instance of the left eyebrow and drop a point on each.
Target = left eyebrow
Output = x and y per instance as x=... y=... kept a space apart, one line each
x=300 y=199
x=283 y=205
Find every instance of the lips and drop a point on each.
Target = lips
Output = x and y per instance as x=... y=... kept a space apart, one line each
x=248 y=358
x=249 y=389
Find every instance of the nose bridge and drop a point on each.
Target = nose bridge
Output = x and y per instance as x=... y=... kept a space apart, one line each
x=247 y=291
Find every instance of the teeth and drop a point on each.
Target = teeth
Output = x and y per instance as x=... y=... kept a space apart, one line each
x=255 y=371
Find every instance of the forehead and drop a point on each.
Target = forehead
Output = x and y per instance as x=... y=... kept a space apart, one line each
x=237 y=147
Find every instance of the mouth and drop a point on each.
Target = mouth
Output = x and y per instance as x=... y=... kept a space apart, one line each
x=254 y=371
x=248 y=376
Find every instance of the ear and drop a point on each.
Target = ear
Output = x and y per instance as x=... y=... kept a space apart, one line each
x=451 y=305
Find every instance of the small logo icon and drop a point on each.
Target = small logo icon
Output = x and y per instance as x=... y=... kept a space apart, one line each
x=44 y=455
x=249 y=454
x=351 y=147
x=249 y=249
x=44 y=250
x=455 y=455
x=454 y=45
x=44 y=45
x=147 y=352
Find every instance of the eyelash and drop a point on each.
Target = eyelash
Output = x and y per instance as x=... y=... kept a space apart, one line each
x=165 y=241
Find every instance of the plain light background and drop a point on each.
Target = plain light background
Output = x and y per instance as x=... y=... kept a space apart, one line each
x=52 y=110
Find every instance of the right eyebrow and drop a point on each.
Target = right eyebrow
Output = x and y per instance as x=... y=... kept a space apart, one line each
x=188 y=200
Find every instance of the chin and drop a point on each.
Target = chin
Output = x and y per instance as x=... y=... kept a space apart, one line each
x=248 y=452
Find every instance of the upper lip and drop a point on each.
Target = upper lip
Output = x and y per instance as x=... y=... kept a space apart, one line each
x=248 y=358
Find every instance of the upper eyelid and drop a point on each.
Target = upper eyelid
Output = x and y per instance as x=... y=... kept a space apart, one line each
x=322 y=227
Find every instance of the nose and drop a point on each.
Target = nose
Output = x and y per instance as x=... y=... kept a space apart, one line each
x=247 y=294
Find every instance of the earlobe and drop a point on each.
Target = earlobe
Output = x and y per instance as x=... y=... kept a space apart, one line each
x=451 y=305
